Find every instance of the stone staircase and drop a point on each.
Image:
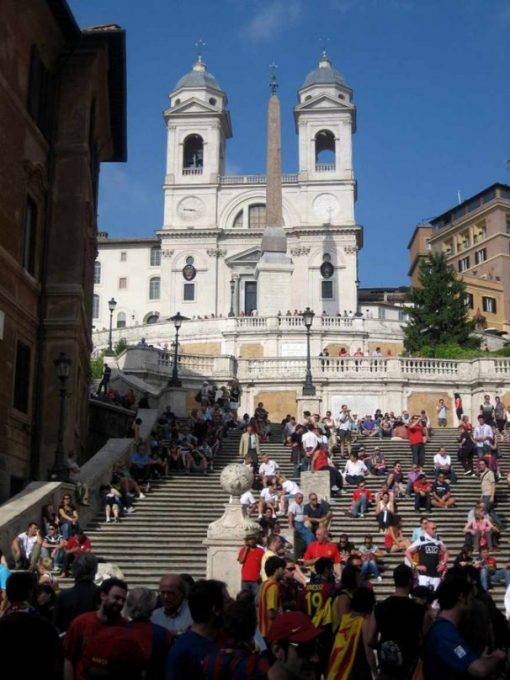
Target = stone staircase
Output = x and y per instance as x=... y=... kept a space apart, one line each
x=167 y=529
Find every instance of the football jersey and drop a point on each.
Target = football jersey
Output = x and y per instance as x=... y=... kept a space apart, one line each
x=315 y=600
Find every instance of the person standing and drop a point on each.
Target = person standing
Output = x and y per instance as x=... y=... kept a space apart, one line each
x=174 y=615
x=500 y=414
x=269 y=605
x=417 y=438
x=432 y=556
x=250 y=559
x=250 y=444
x=487 y=410
x=107 y=372
x=488 y=484
x=82 y=597
x=459 y=411
x=442 y=413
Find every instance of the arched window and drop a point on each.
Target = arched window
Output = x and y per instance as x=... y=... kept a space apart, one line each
x=121 y=320
x=154 y=287
x=95 y=307
x=324 y=151
x=153 y=317
x=193 y=155
x=97 y=272
x=155 y=256
x=239 y=219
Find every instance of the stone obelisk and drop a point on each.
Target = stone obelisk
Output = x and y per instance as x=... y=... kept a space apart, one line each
x=274 y=269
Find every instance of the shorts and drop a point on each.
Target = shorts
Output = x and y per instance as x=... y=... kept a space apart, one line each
x=429 y=581
x=345 y=435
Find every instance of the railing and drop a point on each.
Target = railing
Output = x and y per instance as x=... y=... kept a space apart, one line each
x=250 y=321
x=192 y=171
x=325 y=167
x=502 y=366
x=204 y=365
x=429 y=367
x=255 y=179
x=337 y=321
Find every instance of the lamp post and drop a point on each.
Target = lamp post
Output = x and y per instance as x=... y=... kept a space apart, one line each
x=59 y=471
x=232 y=291
x=111 y=306
x=177 y=319
x=308 y=386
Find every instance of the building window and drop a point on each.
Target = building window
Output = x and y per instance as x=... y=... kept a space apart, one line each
x=95 y=307
x=257 y=216
x=469 y=301
x=153 y=317
x=189 y=292
x=324 y=151
x=123 y=283
x=463 y=264
x=155 y=256
x=121 y=320
x=22 y=378
x=428 y=244
x=97 y=272
x=123 y=256
x=508 y=224
x=193 y=155
x=154 y=288
x=489 y=305
x=402 y=315
x=480 y=256
x=480 y=232
x=30 y=237
x=239 y=220
x=327 y=290
x=38 y=92
x=381 y=313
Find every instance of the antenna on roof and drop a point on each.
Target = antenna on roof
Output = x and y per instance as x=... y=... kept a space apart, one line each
x=459 y=197
x=324 y=41
x=200 y=44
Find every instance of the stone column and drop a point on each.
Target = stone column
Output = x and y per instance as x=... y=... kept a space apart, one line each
x=226 y=535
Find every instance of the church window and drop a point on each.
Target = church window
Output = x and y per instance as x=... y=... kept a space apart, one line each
x=239 y=219
x=177 y=102
x=122 y=282
x=193 y=158
x=190 y=259
x=123 y=256
x=155 y=256
x=324 y=151
x=327 y=290
x=153 y=317
x=212 y=101
x=154 y=288
x=326 y=257
x=189 y=292
x=308 y=96
x=257 y=216
x=97 y=272
x=95 y=307
x=121 y=320
x=381 y=313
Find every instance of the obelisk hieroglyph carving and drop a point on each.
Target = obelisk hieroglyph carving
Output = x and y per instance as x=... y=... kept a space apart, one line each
x=274 y=270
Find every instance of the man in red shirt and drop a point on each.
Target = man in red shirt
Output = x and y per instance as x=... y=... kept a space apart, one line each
x=77 y=544
x=322 y=548
x=85 y=628
x=417 y=432
x=422 y=497
x=250 y=557
x=361 y=497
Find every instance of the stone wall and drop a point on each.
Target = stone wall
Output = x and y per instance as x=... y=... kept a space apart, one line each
x=210 y=348
x=417 y=401
x=251 y=350
x=278 y=404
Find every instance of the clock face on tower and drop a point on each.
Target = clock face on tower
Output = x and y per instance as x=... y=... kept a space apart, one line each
x=326 y=206
x=191 y=208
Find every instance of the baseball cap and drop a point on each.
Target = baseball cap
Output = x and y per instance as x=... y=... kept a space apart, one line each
x=293 y=627
x=114 y=651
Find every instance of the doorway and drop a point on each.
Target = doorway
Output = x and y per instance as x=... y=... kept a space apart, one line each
x=250 y=296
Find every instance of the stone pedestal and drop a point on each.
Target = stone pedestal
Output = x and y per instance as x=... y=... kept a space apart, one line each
x=226 y=535
x=175 y=397
x=274 y=287
x=318 y=482
x=312 y=404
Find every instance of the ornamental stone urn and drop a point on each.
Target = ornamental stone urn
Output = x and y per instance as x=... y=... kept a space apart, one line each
x=225 y=536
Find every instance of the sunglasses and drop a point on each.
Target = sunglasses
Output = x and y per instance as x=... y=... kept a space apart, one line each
x=290 y=568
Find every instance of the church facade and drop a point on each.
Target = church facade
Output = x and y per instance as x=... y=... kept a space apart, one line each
x=210 y=240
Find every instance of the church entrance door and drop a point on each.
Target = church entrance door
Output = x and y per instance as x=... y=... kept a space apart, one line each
x=250 y=296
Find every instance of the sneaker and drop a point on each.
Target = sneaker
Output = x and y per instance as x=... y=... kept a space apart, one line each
x=335 y=488
x=130 y=509
x=379 y=579
x=117 y=520
x=141 y=496
x=280 y=513
x=361 y=514
x=108 y=520
x=147 y=487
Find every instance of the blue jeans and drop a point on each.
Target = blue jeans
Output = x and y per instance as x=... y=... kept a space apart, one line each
x=250 y=586
x=360 y=506
x=488 y=578
x=58 y=560
x=369 y=567
x=305 y=533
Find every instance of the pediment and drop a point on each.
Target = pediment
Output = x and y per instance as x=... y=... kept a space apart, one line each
x=324 y=101
x=245 y=257
x=192 y=105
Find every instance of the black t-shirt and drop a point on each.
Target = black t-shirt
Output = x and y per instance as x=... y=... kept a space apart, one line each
x=319 y=512
x=441 y=488
x=399 y=620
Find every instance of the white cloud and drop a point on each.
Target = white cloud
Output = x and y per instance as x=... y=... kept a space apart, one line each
x=272 y=17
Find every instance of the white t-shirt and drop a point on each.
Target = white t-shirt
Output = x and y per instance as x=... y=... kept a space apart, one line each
x=268 y=469
x=356 y=468
x=268 y=495
x=484 y=431
x=309 y=440
x=441 y=411
x=296 y=509
x=290 y=487
x=344 y=421
x=27 y=543
x=247 y=498
x=442 y=461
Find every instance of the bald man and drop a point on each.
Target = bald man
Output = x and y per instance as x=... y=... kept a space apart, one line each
x=174 y=615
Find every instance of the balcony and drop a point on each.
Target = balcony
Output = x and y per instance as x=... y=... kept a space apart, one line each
x=255 y=179
x=192 y=171
x=325 y=167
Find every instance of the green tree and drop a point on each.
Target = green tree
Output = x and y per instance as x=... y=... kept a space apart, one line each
x=120 y=346
x=96 y=366
x=438 y=315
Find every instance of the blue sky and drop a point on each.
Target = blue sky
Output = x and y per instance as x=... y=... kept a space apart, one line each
x=430 y=80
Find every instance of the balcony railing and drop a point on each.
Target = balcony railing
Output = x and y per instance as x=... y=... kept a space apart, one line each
x=255 y=179
x=192 y=171
x=325 y=167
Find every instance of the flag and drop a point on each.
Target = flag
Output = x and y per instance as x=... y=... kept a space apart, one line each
x=345 y=646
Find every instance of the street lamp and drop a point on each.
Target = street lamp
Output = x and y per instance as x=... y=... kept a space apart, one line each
x=177 y=319
x=232 y=291
x=59 y=471
x=308 y=386
x=111 y=306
